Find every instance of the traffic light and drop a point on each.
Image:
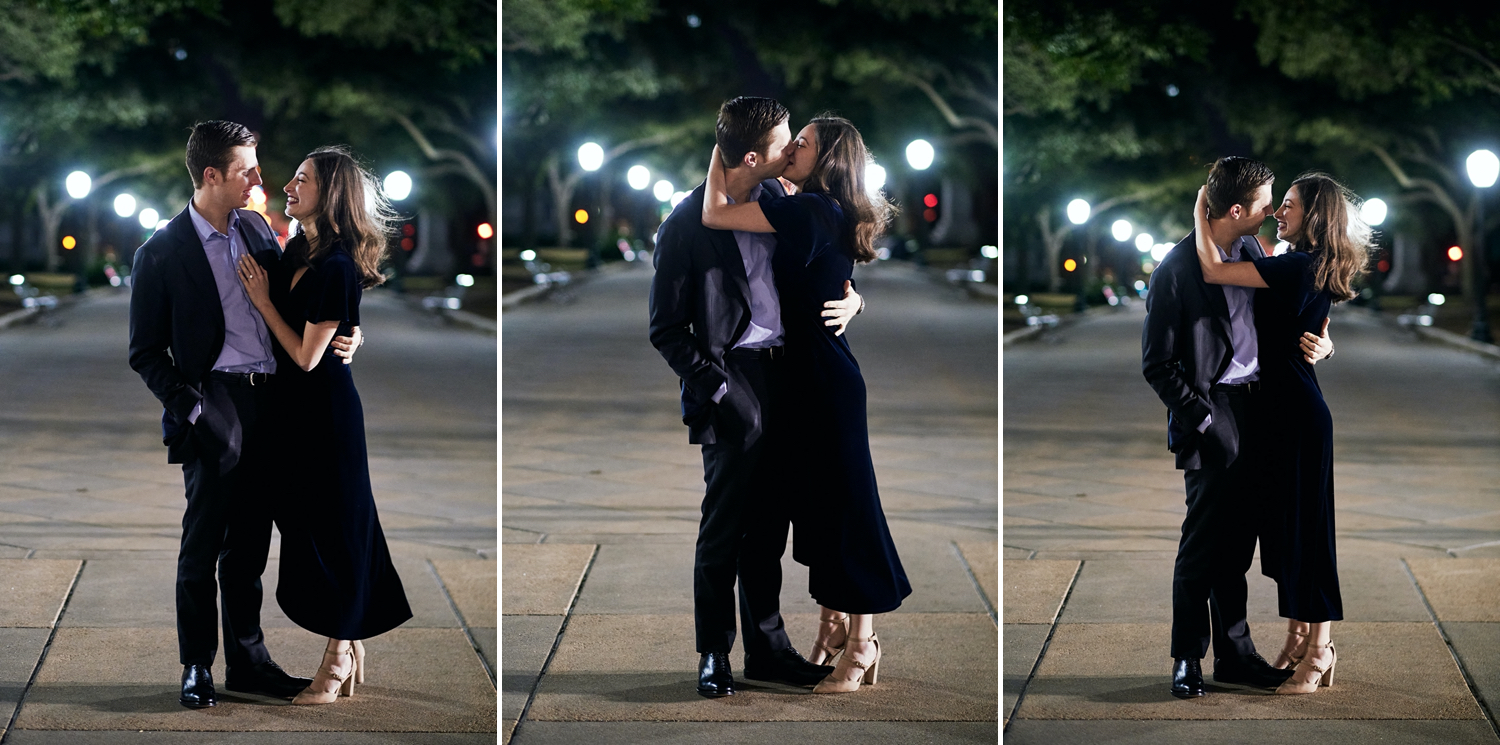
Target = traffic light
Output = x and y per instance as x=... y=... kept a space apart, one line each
x=930 y=202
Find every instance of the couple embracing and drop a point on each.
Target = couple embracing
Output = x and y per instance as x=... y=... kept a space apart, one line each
x=1231 y=336
x=748 y=306
x=247 y=346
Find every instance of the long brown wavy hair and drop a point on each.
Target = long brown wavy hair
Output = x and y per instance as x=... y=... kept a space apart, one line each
x=839 y=172
x=352 y=210
x=1332 y=226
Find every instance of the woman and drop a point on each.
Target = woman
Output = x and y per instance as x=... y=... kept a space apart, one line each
x=842 y=537
x=336 y=576
x=1320 y=219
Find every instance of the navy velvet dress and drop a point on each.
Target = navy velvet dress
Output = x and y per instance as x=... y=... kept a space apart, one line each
x=840 y=530
x=336 y=577
x=1296 y=446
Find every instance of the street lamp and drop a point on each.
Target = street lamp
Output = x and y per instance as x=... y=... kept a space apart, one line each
x=397 y=185
x=639 y=177
x=1144 y=243
x=662 y=190
x=874 y=178
x=1373 y=212
x=78 y=184
x=1483 y=169
x=149 y=218
x=1078 y=211
x=919 y=154
x=124 y=205
x=1121 y=230
x=590 y=156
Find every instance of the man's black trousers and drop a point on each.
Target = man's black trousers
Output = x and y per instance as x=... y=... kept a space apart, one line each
x=1218 y=545
x=227 y=525
x=744 y=527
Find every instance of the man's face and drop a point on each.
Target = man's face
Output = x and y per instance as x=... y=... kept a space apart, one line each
x=231 y=187
x=1250 y=220
x=773 y=162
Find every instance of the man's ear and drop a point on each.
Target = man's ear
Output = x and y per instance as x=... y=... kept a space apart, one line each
x=751 y=159
x=1236 y=212
x=211 y=175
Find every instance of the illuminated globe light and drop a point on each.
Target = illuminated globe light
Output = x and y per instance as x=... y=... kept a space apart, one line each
x=1159 y=251
x=69 y=242
x=678 y=197
x=1373 y=211
x=78 y=184
x=1121 y=230
x=487 y=231
x=639 y=177
x=160 y=224
x=1022 y=299
x=1455 y=253
x=874 y=178
x=464 y=280
x=590 y=156
x=1437 y=298
x=1144 y=242
x=16 y=280
x=149 y=217
x=662 y=190
x=919 y=154
x=1070 y=265
x=1078 y=211
x=528 y=255
x=1483 y=168
x=397 y=185
x=989 y=252
x=124 y=205
x=581 y=216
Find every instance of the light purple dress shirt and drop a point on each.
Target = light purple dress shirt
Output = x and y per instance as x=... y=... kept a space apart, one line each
x=1244 y=362
x=765 y=328
x=247 y=342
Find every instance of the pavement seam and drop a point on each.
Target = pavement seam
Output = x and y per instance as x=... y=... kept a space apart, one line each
x=462 y=623
x=42 y=658
x=983 y=598
x=1484 y=706
x=1021 y=695
x=556 y=642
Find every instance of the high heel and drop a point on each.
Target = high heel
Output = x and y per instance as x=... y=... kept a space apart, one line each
x=823 y=651
x=359 y=661
x=1325 y=675
x=1289 y=657
x=320 y=692
x=868 y=672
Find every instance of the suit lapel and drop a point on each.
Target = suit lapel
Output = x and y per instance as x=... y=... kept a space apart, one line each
x=194 y=261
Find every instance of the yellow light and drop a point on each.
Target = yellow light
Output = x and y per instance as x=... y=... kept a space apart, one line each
x=485 y=231
x=1070 y=265
x=1455 y=253
x=582 y=216
x=69 y=242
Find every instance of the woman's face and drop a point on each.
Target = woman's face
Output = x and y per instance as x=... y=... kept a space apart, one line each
x=1290 y=217
x=302 y=193
x=804 y=154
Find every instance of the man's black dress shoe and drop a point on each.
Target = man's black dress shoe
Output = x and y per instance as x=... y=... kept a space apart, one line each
x=197 y=687
x=1187 y=678
x=785 y=666
x=1250 y=670
x=714 y=678
x=266 y=678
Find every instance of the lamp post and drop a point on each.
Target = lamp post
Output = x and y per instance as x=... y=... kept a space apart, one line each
x=1483 y=169
x=1078 y=214
x=591 y=158
x=1374 y=212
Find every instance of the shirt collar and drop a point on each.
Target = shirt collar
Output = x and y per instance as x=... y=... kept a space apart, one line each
x=204 y=229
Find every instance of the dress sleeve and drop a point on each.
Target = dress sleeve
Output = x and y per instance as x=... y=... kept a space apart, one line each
x=806 y=224
x=336 y=296
x=1291 y=271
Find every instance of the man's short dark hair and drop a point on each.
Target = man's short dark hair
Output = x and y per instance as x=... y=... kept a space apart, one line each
x=1234 y=180
x=210 y=144
x=745 y=125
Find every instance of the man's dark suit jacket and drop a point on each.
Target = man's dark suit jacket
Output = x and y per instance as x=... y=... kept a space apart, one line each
x=177 y=329
x=1185 y=349
x=700 y=306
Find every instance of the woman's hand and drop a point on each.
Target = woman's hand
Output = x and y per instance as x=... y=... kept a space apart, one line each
x=1200 y=210
x=257 y=285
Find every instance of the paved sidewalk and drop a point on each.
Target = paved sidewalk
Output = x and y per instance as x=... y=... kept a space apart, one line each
x=1093 y=509
x=600 y=500
x=90 y=516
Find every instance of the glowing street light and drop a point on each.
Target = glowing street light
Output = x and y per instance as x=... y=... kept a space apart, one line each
x=874 y=178
x=397 y=185
x=149 y=218
x=1078 y=211
x=78 y=184
x=678 y=196
x=1483 y=168
x=639 y=177
x=662 y=190
x=124 y=205
x=1144 y=242
x=590 y=156
x=920 y=154
x=1121 y=230
x=1373 y=211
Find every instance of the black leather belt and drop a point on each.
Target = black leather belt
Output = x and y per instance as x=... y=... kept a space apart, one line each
x=1250 y=387
x=763 y=353
x=250 y=378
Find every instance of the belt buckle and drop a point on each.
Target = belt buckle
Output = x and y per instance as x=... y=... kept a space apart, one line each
x=776 y=353
x=252 y=379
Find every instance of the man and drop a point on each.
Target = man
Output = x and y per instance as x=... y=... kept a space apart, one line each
x=1199 y=353
x=716 y=318
x=206 y=354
